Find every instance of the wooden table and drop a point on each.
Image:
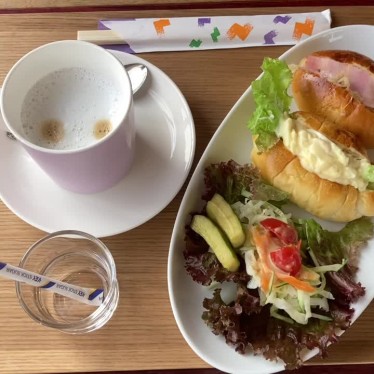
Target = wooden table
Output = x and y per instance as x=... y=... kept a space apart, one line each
x=142 y=335
x=40 y=5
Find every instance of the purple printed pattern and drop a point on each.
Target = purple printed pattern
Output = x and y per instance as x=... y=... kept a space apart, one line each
x=281 y=19
x=202 y=21
x=269 y=37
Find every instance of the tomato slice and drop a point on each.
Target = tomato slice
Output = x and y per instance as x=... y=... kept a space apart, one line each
x=287 y=259
x=284 y=232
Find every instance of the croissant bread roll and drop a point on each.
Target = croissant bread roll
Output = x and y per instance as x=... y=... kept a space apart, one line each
x=322 y=197
x=338 y=85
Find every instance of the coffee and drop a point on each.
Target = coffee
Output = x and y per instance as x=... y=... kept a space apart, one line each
x=102 y=128
x=70 y=109
x=52 y=131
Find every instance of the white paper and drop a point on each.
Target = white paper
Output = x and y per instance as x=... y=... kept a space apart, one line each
x=198 y=33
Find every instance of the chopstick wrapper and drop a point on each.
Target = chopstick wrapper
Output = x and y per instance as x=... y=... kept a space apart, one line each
x=199 y=33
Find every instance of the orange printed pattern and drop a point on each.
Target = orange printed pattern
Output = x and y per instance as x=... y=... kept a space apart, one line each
x=239 y=31
x=303 y=28
x=160 y=24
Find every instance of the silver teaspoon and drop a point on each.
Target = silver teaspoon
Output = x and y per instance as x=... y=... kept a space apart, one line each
x=137 y=74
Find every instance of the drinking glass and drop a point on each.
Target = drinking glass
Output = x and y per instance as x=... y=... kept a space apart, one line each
x=72 y=257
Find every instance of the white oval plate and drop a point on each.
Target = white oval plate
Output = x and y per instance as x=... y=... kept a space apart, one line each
x=165 y=147
x=232 y=141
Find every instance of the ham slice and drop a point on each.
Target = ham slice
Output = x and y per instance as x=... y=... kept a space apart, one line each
x=359 y=79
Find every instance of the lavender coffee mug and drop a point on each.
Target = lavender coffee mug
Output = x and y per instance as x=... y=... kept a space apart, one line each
x=69 y=104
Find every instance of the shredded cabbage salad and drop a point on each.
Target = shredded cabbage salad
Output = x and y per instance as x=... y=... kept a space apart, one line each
x=283 y=296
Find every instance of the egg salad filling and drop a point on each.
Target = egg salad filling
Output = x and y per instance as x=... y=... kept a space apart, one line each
x=321 y=156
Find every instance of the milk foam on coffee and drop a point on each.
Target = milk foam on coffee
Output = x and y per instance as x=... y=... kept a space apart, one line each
x=70 y=109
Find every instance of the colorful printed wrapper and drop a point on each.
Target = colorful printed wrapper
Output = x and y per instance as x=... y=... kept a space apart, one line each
x=198 y=33
x=83 y=295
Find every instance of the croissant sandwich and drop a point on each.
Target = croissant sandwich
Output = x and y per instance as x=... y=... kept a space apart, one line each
x=324 y=169
x=338 y=85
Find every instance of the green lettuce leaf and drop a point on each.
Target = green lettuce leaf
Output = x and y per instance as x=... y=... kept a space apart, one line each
x=328 y=247
x=332 y=247
x=272 y=102
x=368 y=174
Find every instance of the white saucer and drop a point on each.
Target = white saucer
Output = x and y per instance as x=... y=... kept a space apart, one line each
x=165 y=147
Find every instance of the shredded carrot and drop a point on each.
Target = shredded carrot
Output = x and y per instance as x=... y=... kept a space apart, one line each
x=266 y=280
x=262 y=242
x=297 y=283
